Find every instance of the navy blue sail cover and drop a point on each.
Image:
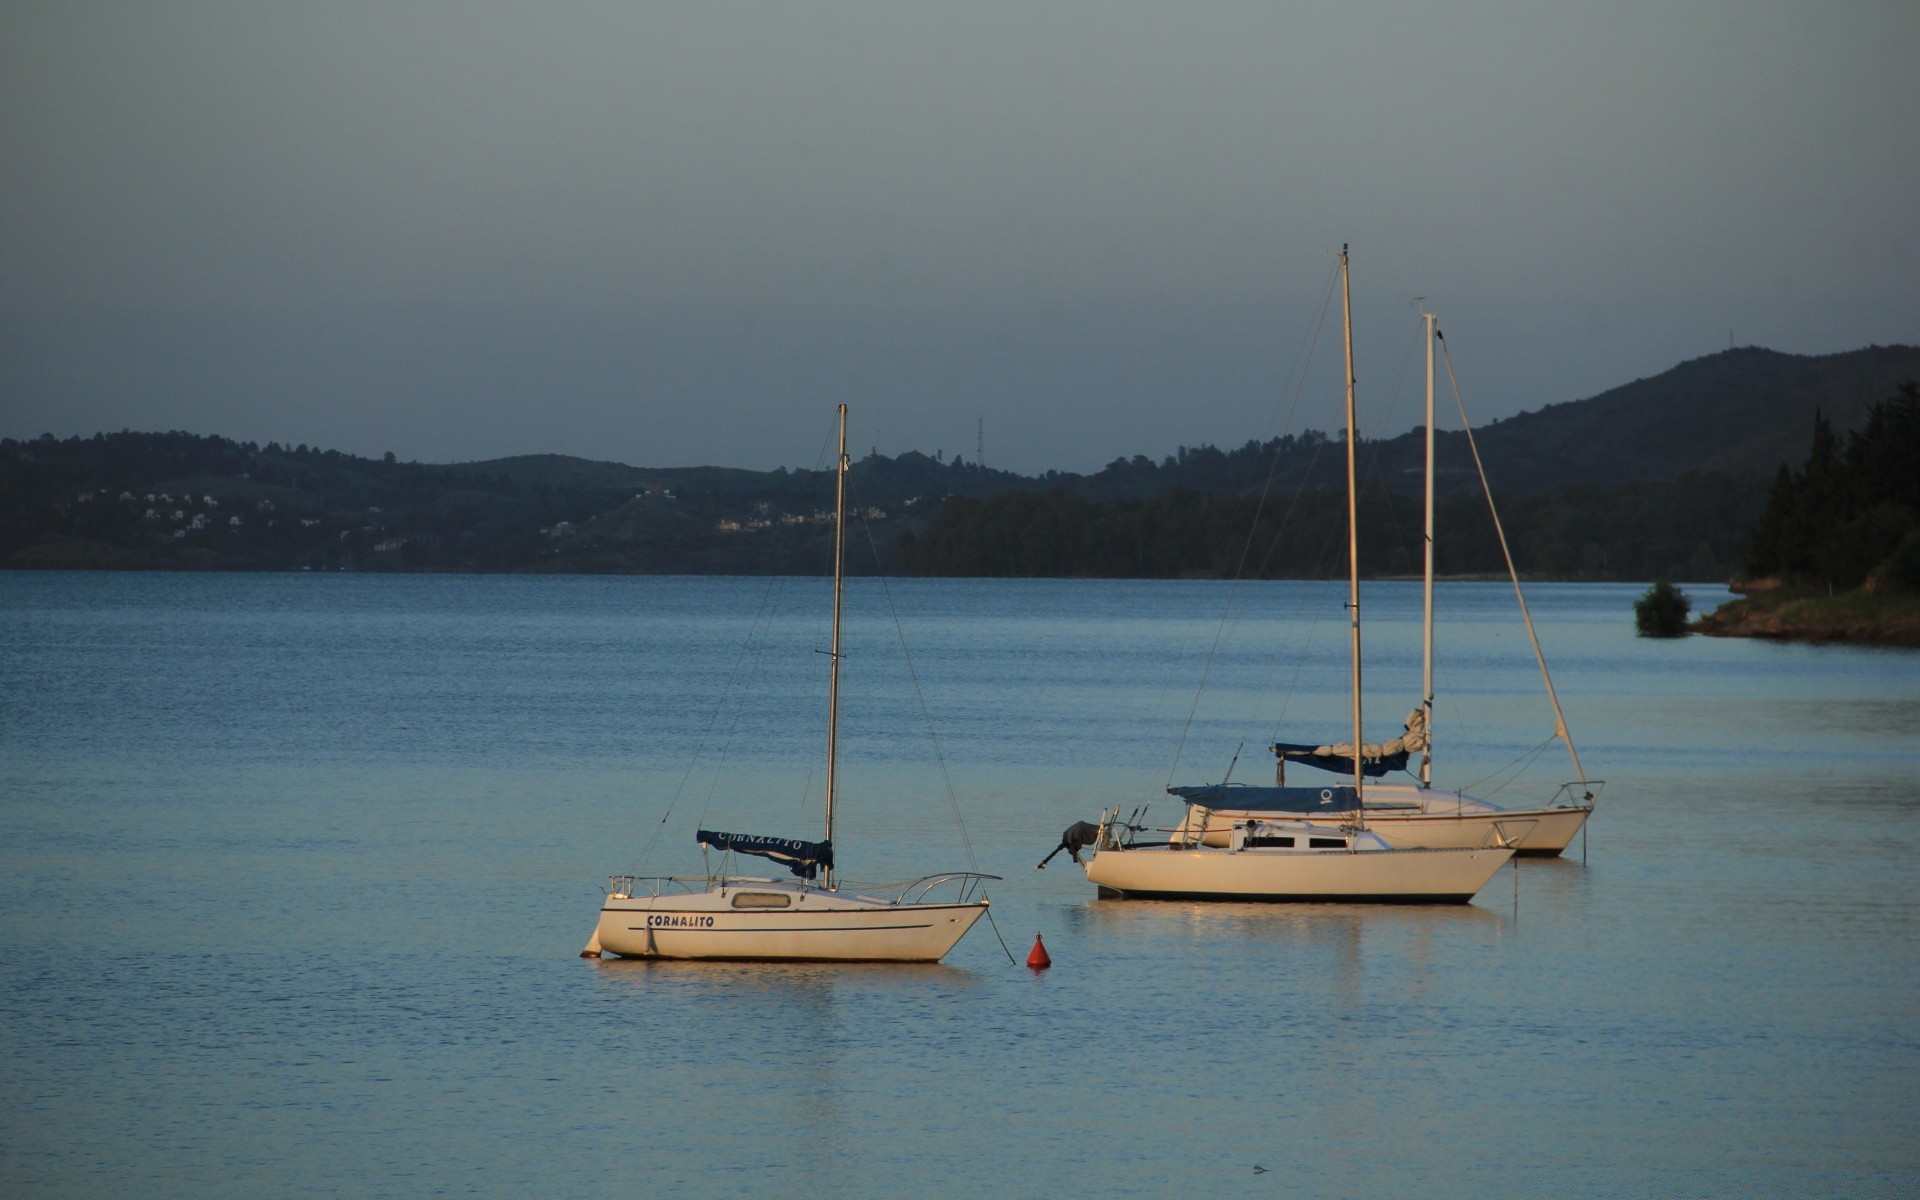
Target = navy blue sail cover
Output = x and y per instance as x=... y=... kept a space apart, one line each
x=1339 y=764
x=1269 y=799
x=802 y=858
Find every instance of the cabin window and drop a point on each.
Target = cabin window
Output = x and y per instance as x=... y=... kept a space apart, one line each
x=1283 y=843
x=1326 y=844
x=762 y=900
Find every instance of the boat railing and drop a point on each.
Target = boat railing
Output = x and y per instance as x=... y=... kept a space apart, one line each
x=629 y=886
x=964 y=887
x=1116 y=833
x=1577 y=793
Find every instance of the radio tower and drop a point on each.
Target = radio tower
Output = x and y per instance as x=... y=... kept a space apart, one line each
x=980 y=443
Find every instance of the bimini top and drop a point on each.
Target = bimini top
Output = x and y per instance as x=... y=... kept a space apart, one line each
x=802 y=858
x=1236 y=798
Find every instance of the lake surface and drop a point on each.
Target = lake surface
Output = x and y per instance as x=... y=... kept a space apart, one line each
x=294 y=871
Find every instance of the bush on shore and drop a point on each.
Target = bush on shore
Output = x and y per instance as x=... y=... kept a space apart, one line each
x=1662 y=612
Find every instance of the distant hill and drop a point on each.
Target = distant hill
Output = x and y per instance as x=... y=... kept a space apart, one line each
x=1662 y=475
x=1738 y=412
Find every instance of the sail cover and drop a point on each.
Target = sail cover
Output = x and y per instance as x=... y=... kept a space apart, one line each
x=802 y=858
x=1376 y=758
x=1233 y=798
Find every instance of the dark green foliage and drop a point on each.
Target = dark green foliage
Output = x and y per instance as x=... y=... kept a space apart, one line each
x=1662 y=612
x=1597 y=489
x=1687 y=528
x=1846 y=511
x=1901 y=570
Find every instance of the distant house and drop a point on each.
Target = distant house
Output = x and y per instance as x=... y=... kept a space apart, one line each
x=728 y=527
x=234 y=522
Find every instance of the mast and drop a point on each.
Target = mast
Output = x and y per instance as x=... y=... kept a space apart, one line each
x=833 y=678
x=1353 y=545
x=1426 y=662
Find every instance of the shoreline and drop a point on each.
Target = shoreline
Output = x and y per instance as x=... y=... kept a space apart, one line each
x=1795 y=615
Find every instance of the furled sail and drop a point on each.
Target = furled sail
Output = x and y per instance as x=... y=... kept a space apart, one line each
x=802 y=858
x=1376 y=758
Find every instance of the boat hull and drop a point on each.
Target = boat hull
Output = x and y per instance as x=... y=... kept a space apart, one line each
x=822 y=930
x=1413 y=818
x=1540 y=833
x=1419 y=876
x=1543 y=833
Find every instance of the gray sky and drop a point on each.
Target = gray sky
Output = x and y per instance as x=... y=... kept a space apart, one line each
x=677 y=234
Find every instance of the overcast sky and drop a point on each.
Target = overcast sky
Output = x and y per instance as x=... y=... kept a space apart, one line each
x=678 y=234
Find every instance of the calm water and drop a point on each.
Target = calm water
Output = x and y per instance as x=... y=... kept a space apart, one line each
x=293 y=872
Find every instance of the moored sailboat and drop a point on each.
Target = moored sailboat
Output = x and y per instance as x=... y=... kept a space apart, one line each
x=806 y=917
x=1410 y=815
x=1289 y=859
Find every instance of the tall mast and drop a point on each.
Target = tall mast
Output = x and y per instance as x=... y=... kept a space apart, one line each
x=833 y=678
x=1353 y=543
x=1426 y=672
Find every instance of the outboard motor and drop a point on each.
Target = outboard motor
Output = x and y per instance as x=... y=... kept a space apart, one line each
x=1077 y=837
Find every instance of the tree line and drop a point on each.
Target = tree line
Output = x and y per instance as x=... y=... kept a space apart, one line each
x=1852 y=513
x=1694 y=527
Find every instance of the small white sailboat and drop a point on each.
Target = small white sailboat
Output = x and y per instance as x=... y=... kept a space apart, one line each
x=724 y=916
x=1268 y=857
x=1406 y=815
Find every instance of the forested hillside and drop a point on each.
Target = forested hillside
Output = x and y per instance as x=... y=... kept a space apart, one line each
x=1853 y=511
x=1691 y=528
x=1665 y=476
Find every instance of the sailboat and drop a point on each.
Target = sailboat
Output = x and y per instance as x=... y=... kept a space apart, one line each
x=1405 y=814
x=805 y=917
x=1282 y=857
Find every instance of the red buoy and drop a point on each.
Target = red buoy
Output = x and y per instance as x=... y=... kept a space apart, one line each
x=1038 y=958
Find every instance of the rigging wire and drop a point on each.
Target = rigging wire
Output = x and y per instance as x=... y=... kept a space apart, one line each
x=926 y=716
x=739 y=713
x=1559 y=717
x=1312 y=341
x=712 y=719
x=1385 y=417
x=1516 y=766
x=774 y=584
x=1266 y=686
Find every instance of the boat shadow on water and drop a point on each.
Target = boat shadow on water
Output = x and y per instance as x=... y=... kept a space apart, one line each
x=1276 y=922
x=736 y=977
